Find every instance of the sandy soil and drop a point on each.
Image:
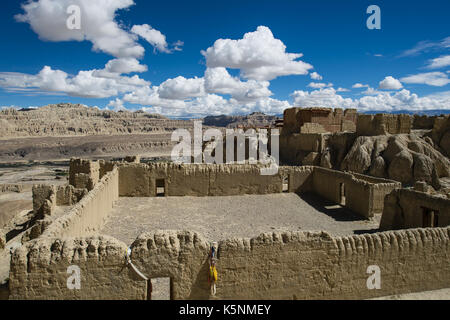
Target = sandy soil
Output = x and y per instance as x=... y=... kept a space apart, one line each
x=245 y=216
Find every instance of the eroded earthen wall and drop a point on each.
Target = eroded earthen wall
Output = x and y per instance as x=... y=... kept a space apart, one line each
x=88 y=215
x=139 y=180
x=362 y=194
x=404 y=208
x=39 y=270
x=382 y=124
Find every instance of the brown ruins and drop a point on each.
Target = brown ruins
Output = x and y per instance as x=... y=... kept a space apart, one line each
x=410 y=246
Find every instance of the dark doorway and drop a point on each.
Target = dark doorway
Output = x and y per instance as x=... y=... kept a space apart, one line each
x=160 y=188
x=285 y=184
x=342 y=194
x=430 y=218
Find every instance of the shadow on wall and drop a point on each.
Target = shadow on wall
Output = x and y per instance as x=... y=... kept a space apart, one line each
x=330 y=208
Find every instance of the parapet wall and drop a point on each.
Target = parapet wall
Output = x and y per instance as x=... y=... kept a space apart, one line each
x=405 y=208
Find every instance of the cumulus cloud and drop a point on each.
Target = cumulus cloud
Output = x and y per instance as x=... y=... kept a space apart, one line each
x=384 y=101
x=152 y=36
x=85 y=84
x=181 y=88
x=116 y=67
x=258 y=55
x=342 y=89
x=437 y=79
x=315 y=76
x=218 y=80
x=116 y=105
x=441 y=62
x=318 y=85
x=48 y=19
x=390 y=83
x=360 y=85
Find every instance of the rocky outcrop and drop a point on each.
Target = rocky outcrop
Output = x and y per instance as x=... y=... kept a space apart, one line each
x=74 y=119
x=406 y=158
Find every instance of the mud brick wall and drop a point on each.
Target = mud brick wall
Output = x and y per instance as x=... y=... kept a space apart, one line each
x=404 y=208
x=84 y=173
x=139 y=180
x=88 y=215
x=39 y=270
x=382 y=124
x=44 y=199
x=298 y=265
x=364 y=195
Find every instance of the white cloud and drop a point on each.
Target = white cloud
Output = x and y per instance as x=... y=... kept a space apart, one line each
x=85 y=84
x=321 y=98
x=370 y=91
x=318 y=85
x=390 y=83
x=48 y=19
x=181 y=88
x=425 y=46
x=437 y=79
x=360 y=85
x=441 y=62
x=342 y=90
x=384 y=101
x=120 y=66
x=116 y=105
x=218 y=80
x=152 y=36
x=258 y=55
x=316 y=76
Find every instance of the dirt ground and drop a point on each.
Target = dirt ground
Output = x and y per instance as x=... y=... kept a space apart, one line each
x=218 y=218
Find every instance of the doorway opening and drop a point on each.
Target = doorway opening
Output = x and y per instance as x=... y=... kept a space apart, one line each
x=430 y=218
x=285 y=184
x=160 y=188
x=342 y=194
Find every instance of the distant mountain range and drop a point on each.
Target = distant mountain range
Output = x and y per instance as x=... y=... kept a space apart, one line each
x=436 y=112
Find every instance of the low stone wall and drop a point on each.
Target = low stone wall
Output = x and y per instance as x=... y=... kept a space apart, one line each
x=405 y=208
x=39 y=270
x=88 y=215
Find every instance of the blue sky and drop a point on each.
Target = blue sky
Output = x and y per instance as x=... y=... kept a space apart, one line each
x=411 y=53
